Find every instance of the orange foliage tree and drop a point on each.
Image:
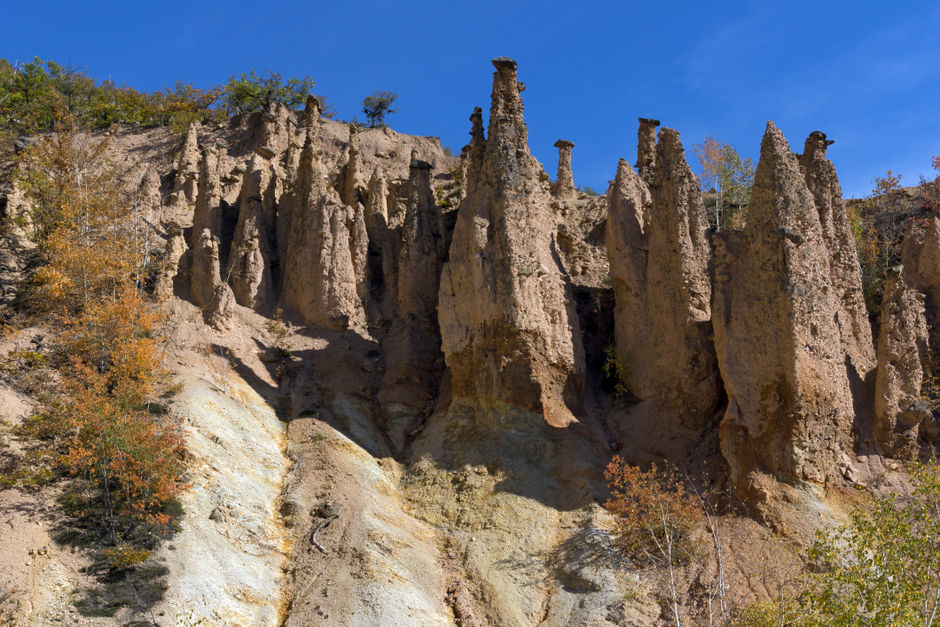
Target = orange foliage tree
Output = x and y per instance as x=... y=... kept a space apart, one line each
x=95 y=250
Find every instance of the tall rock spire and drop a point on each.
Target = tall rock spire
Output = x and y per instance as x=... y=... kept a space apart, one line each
x=508 y=325
x=185 y=185
x=646 y=149
x=790 y=407
x=844 y=269
x=250 y=259
x=319 y=275
x=660 y=258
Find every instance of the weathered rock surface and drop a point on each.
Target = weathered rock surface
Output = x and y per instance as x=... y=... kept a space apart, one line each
x=920 y=255
x=790 y=408
x=250 y=259
x=646 y=149
x=902 y=349
x=507 y=321
x=660 y=256
x=564 y=185
x=186 y=184
x=413 y=347
x=214 y=296
x=628 y=214
x=844 y=270
x=320 y=279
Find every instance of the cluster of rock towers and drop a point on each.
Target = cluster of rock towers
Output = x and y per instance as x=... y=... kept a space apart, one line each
x=761 y=334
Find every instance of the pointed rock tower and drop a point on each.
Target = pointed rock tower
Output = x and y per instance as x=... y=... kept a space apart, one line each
x=852 y=319
x=319 y=275
x=250 y=259
x=508 y=325
x=790 y=409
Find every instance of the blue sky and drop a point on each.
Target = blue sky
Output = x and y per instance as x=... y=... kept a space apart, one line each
x=865 y=74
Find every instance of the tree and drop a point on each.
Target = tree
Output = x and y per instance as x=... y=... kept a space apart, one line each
x=884 y=567
x=656 y=518
x=90 y=236
x=250 y=92
x=730 y=176
x=377 y=106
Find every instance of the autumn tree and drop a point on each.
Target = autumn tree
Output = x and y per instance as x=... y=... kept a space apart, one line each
x=731 y=178
x=90 y=235
x=94 y=249
x=377 y=106
x=656 y=521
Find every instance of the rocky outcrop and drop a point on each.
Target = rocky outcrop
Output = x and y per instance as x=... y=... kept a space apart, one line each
x=277 y=129
x=413 y=347
x=790 y=409
x=920 y=255
x=844 y=270
x=208 y=206
x=320 y=279
x=628 y=214
x=646 y=149
x=564 y=185
x=249 y=266
x=354 y=186
x=507 y=319
x=660 y=257
x=902 y=349
x=185 y=186
x=214 y=297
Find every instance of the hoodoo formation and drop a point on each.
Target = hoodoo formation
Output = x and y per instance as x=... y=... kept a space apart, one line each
x=425 y=363
x=508 y=326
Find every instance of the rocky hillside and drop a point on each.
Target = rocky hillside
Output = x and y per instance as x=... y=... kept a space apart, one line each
x=403 y=374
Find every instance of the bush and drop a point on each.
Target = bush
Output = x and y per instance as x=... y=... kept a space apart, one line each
x=656 y=515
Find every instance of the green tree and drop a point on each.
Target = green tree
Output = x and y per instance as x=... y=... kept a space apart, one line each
x=731 y=177
x=250 y=92
x=377 y=106
x=884 y=568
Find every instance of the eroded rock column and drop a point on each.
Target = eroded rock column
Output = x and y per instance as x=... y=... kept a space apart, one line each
x=564 y=185
x=646 y=149
x=509 y=330
x=902 y=348
x=320 y=279
x=844 y=269
x=790 y=409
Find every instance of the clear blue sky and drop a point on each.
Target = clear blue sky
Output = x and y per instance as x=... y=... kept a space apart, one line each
x=865 y=73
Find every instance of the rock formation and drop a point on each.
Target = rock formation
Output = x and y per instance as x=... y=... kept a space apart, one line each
x=920 y=255
x=844 y=270
x=646 y=149
x=185 y=186
x=319 y=275
x=628 y=213
x=276 y=130
x=207 y=226
x=660 y=256
x=790 y=409
x=355 y=196
x=509 y=330
x=902 y=348
x=354 y=187
x=214 y=296
x=249 y=263
x=564 y=185
x=413 y=347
